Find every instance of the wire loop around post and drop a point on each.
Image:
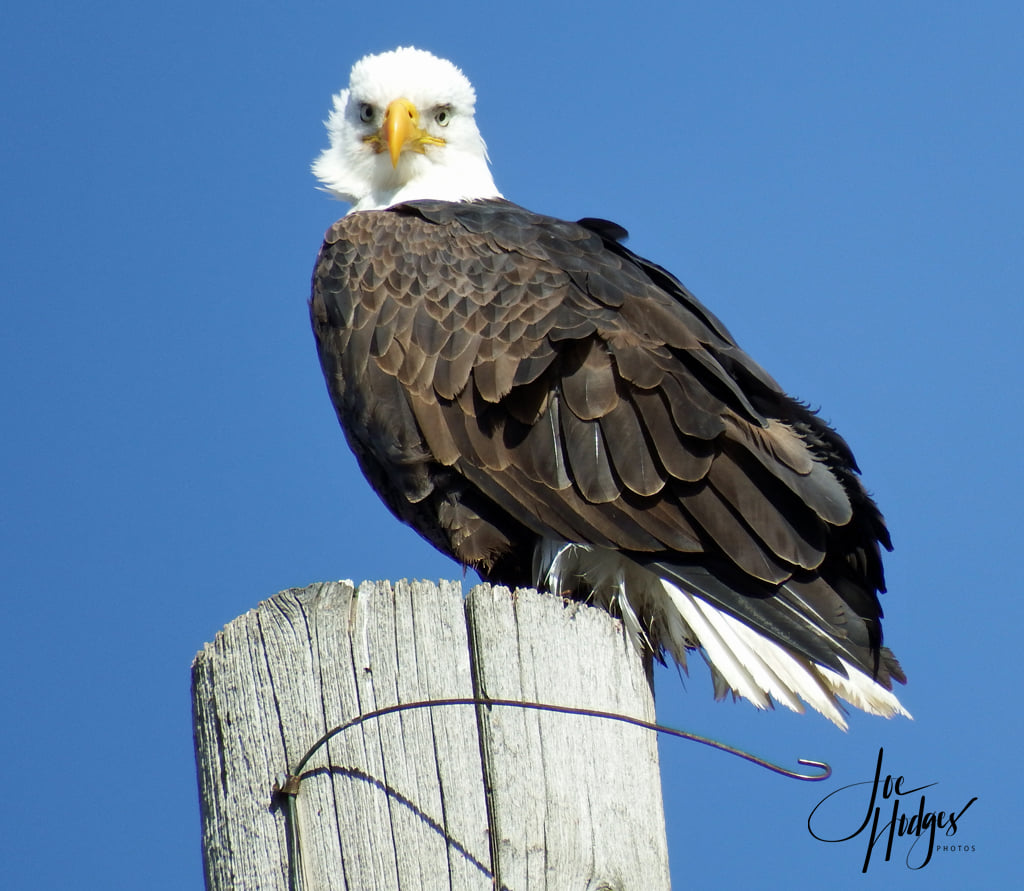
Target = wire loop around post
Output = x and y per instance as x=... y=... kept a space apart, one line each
x=288 y=784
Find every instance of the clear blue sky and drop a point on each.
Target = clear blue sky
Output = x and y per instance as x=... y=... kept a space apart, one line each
x=842 y=183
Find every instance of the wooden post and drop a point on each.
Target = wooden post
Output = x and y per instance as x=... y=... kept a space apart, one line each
x=449 y=797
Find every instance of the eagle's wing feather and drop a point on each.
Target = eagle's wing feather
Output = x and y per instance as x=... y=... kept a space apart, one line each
x=504 y=377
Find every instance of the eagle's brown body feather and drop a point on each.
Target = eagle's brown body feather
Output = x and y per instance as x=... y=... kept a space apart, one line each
x=505 y=378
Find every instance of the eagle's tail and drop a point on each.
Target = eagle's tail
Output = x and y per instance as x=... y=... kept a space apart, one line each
x=660 y=615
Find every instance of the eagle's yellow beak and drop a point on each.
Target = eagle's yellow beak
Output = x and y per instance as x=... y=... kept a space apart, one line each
x=401 y=131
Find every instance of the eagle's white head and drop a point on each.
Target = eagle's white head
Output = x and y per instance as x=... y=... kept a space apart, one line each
x=403 y=130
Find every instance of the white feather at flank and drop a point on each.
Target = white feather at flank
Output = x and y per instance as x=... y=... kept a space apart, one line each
x=750 y=664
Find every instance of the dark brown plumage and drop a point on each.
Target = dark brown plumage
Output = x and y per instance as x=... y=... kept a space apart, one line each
x=506 y=378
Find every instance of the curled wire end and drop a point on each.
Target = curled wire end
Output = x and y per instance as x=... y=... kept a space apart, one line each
x=825 y=768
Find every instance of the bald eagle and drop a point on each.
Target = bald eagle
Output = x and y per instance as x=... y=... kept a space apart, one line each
x=553 y=410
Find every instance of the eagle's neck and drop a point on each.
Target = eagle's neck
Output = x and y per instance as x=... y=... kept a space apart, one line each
x=463 y=177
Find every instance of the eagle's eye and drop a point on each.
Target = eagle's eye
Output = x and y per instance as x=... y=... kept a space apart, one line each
x=443 y=115
x=366 y=112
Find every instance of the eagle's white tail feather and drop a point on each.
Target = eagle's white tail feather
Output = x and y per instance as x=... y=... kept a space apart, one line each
x=731 y=658
x=794 y=675
x=749 y=663
x=860 y=690
x=771 y=679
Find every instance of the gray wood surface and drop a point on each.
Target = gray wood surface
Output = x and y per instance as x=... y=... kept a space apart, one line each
x=450 y=797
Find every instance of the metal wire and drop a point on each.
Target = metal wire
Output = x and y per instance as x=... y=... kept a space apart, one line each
x=288 y=784
x=565 y=710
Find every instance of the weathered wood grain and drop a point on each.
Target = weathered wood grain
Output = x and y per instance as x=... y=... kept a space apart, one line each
x=404 y=801
x=575 y=800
